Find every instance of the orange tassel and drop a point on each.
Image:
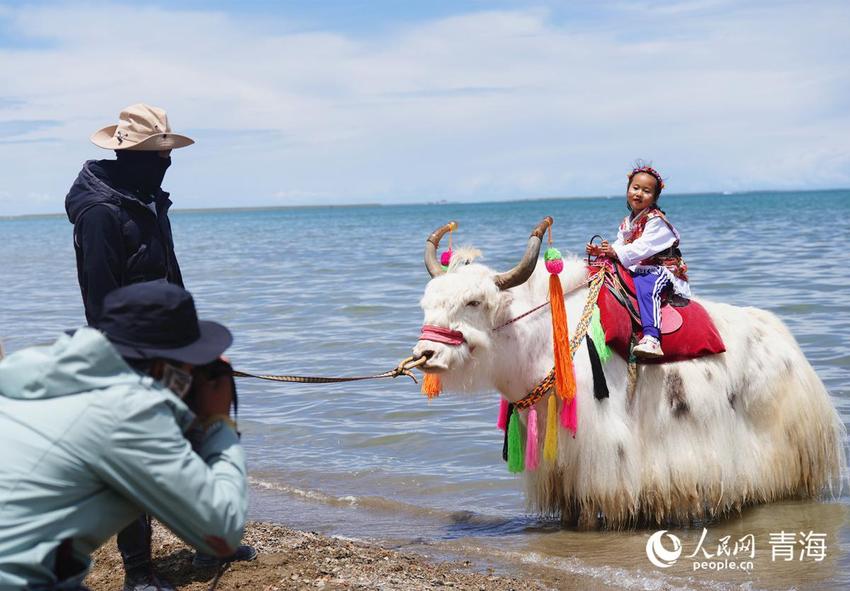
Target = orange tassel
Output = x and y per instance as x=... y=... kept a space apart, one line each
x=565 y=382
x=431 y=386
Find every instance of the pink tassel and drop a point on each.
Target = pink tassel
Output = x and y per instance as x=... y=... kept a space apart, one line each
x=569 y=418
x=532 y=457
x=502 y=421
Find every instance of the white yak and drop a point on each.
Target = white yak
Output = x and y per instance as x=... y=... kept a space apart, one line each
x=702 y=438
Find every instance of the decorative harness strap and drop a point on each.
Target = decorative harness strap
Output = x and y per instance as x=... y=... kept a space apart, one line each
x=548 y=382
x=539 y=392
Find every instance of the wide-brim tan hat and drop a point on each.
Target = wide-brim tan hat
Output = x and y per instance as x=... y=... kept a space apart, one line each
x=140 y=127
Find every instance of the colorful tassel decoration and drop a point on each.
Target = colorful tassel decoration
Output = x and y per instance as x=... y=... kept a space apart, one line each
x=600 y=384
x=431 y=386
x=550 y=443
x=502 y=421
x=597 y=334
x=507 y=428
x=446 y=256
x=532 y=456
x=515 y=452
x=569 y=415
x=445 y=259
x=565 y=382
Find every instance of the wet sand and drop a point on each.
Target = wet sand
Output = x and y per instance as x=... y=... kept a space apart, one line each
x=291 y=559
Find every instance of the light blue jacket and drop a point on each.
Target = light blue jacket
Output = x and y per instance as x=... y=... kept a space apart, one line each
x=87 y=444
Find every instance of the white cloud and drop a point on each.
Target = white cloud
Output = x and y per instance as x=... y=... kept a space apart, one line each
x=481 y=105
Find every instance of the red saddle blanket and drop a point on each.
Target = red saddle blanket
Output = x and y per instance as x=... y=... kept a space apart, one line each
x=687 y=332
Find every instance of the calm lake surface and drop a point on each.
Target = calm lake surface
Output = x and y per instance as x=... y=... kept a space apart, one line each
x=335 y=291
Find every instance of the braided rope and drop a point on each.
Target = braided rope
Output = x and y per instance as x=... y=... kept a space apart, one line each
x=587 y=313
x=539 y=392
x=548 y=382
x=313 y=379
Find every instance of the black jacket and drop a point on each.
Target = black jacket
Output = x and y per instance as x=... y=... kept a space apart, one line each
x=118 y=239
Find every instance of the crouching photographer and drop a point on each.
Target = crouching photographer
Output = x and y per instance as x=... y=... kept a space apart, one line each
x=126 y=418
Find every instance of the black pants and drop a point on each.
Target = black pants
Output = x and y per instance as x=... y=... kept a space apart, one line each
x=134 y=543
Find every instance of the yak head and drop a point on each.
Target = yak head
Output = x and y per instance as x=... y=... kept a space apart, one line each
x=463 y=304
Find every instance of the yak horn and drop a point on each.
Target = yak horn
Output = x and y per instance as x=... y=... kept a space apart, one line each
x=520 y=274
x=431 y=263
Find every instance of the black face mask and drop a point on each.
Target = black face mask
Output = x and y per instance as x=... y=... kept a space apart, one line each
x=140 y=172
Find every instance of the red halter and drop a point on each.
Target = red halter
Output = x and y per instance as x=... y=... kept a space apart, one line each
x=439 y=334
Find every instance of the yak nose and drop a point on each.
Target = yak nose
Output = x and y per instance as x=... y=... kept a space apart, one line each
x=424 y=349
x=420 y=349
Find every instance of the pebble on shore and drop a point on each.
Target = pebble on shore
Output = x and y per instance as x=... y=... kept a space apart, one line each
x=290 y=559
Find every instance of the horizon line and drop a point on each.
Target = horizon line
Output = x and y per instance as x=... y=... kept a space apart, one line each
x=432 y=202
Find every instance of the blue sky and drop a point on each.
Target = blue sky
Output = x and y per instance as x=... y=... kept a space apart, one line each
x=312 y=102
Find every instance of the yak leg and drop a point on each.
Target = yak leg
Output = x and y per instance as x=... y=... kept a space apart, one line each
x=589 y=519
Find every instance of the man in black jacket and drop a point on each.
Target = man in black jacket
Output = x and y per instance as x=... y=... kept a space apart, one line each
x=122 y=236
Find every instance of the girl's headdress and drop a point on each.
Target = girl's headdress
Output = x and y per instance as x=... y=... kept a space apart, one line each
x=640 y=167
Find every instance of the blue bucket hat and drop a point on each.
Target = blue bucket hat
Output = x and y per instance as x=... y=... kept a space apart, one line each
x=157 y=319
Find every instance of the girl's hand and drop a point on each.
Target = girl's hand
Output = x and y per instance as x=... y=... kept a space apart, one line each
x=592 y=249
x=605 y=249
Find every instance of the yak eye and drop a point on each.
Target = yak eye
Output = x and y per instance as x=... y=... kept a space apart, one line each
x=473 y=303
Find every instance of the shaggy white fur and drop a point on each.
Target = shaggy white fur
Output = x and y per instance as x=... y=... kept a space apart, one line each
x=700 y=439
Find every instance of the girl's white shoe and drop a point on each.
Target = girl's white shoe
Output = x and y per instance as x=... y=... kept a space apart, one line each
x=648 y=348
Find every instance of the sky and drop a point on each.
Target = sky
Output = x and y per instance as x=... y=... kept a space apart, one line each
x=316 y=102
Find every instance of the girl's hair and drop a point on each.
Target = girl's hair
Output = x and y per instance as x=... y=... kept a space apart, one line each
x=641 y=166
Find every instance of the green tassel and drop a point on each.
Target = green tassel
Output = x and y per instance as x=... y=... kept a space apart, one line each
x=597 y=333
x=516 y=455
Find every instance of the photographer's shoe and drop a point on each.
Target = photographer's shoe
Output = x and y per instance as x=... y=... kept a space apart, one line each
x=244 y=553
x=145 y=580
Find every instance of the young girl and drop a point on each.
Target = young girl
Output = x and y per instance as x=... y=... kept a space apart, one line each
x=648 y=245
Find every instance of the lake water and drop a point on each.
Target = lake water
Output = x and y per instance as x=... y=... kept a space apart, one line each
x=335 y=291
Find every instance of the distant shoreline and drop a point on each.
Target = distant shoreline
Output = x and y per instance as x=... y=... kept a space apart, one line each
x=442 y=202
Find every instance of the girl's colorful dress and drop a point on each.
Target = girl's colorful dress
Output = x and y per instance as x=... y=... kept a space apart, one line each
x=648 y=245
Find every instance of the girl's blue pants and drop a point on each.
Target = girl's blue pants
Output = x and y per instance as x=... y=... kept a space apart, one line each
x=649 y=285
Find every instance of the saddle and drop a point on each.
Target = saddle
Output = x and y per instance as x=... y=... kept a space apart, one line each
x=687 y=331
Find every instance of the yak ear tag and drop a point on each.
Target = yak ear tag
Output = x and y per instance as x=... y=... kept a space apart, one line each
x=446 y=256
x=565 y=384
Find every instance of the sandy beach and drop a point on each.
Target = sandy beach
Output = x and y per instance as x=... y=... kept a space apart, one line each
x=291 y=559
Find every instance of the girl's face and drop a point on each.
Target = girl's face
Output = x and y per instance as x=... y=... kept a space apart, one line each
x=640 y=193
